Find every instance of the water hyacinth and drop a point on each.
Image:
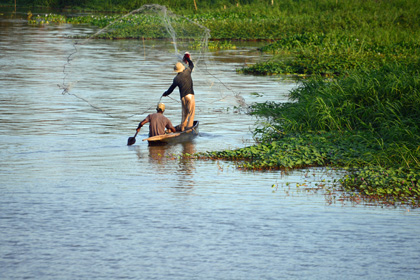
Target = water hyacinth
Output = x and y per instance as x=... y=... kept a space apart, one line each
x=364 y=117
x=387 y=184
x=46 y=19
x=366 y=122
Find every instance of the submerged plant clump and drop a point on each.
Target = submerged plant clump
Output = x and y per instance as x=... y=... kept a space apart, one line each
x=352 y=152
x=388 y=185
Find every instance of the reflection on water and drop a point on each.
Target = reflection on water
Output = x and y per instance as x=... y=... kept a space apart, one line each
x=77 y=203
x=174 y=158
x=186 y=168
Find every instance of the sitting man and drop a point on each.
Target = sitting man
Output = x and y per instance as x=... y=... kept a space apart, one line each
x=158 y=122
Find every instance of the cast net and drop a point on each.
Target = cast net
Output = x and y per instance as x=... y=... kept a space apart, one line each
x=123 y=68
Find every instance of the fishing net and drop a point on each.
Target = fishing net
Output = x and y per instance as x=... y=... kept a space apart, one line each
x=136 y=50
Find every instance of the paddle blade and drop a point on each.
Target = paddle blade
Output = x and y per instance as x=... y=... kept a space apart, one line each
x=131 y=141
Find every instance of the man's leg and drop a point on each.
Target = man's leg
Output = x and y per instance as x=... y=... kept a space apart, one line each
x=191 y=109
x=184 y=119
x=188 y=111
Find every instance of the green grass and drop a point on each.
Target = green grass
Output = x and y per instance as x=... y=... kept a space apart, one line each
x=325 y=37
x=384 y=101
x=367 y=122
x=331 y=54
x=357 y=106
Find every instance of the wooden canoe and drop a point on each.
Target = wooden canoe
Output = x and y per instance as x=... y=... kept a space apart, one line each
x=176 y=137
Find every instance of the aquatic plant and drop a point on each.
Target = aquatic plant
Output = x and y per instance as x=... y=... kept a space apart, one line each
x=214 y=45
x=324 y=38
x=366 y=122
x=46 y=19
x=392 y=22
x=384 y=101
x=364 y=118
x=390 y=185
x=330 y=54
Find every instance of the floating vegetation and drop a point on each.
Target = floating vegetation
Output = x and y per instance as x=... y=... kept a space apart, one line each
x=366 y=122
x=46 y=19
x=330 y=54
x=363 y=118
x=389 y=185
x=134 y=26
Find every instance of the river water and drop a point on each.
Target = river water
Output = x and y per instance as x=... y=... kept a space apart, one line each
x=77 y=203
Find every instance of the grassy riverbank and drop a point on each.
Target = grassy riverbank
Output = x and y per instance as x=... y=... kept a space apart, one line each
x=325 y=37
x=366 y=122
x=358 y=105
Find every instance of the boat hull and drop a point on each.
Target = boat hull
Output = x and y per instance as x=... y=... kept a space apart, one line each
x=177 y=137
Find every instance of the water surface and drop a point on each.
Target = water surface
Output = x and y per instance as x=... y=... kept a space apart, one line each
x=77 y=203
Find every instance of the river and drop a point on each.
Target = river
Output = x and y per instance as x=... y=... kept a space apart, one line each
x=77 y=203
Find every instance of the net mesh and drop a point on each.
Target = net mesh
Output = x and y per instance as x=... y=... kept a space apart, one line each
x=175 y=34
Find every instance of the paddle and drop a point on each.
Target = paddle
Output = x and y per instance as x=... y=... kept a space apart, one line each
x=132 y=140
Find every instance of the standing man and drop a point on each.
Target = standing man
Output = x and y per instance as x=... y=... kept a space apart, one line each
x=158 y=122
x=184 y=82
